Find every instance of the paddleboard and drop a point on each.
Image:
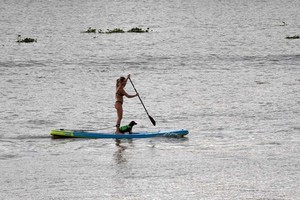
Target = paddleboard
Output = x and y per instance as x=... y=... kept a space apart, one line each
x=94 y=134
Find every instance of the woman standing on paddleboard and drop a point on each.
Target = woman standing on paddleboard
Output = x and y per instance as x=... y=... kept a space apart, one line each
x=120 y=92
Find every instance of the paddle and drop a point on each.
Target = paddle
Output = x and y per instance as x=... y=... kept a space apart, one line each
x=151 y=119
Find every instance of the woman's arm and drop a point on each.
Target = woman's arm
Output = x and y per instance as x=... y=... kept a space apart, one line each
x=125 y=93
x=128 y=95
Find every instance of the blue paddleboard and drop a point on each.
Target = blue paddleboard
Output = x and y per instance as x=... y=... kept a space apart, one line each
x=93 y=134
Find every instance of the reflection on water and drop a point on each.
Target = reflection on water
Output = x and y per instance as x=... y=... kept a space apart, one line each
x=119 y=154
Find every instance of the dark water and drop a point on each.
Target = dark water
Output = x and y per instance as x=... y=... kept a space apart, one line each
x=221 y=69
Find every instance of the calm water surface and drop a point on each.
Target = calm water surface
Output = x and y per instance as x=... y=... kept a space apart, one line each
x=221 y=69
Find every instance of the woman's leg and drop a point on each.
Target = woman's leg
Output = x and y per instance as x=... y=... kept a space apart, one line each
x=119 y=109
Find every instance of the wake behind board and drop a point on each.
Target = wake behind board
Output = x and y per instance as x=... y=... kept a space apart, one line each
x=92 y=134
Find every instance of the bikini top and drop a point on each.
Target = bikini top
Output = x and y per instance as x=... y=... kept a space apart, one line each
x=118 y=92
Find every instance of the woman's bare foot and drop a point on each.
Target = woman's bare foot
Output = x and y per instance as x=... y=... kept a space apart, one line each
x=118 y=130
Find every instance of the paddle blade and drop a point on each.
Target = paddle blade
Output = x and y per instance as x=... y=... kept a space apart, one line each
x=152 y=120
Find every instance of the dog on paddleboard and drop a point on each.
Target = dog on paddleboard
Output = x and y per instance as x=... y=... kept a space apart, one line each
x=128 y=128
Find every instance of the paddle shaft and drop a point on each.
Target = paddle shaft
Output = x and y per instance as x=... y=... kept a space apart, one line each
x=151 y=119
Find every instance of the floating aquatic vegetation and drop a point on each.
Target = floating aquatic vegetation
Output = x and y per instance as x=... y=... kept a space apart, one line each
x=116 y=30
x=25 y=40
x=90 y=30
x=293 y=37
x=283 y=24
x=138 y=30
